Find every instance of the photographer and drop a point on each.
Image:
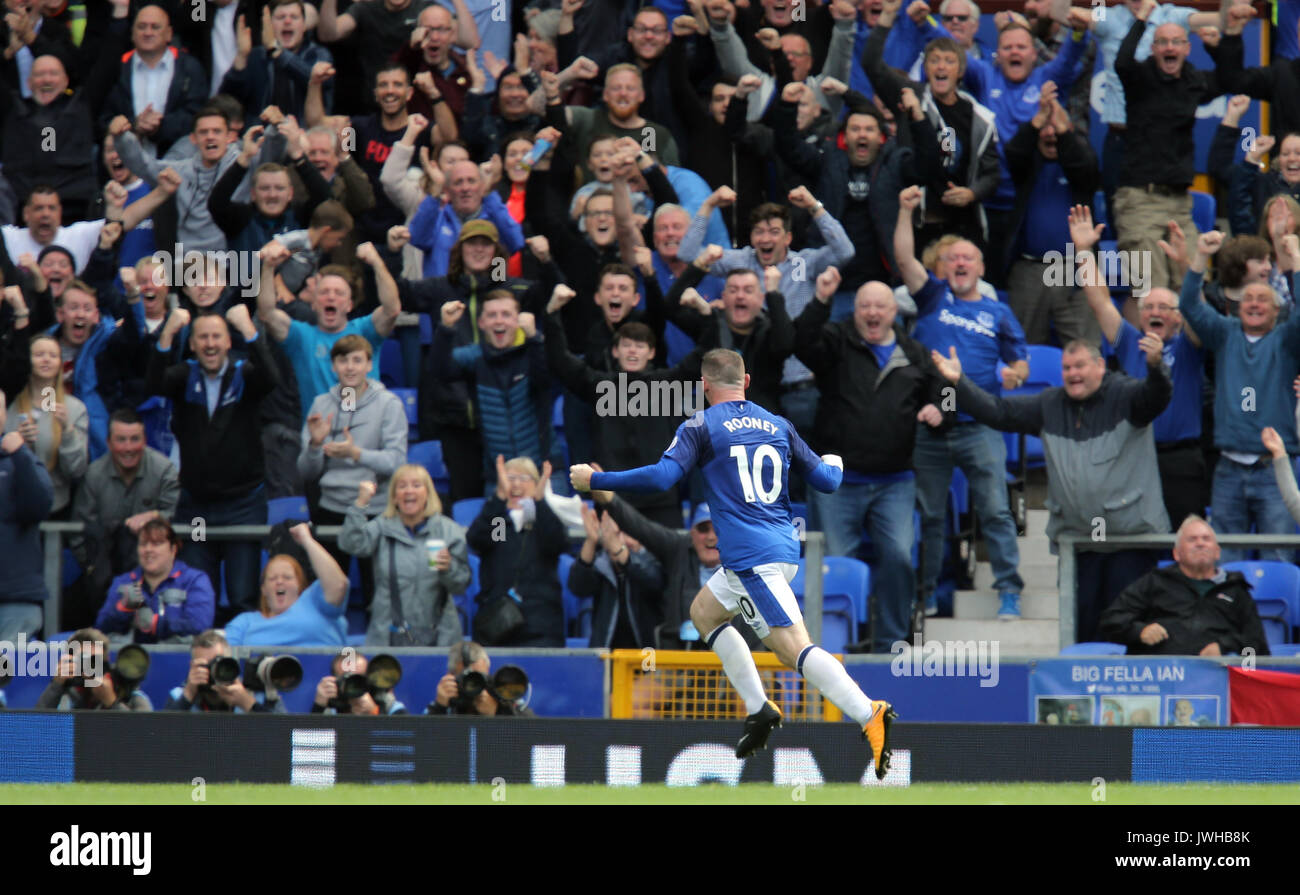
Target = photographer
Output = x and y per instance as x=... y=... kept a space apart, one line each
x=466 y=689
x=199 y=693
x=72 y=688
x=374 y=701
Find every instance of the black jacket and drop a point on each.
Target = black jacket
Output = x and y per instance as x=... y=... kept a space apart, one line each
x=623 y=438
x=221 y=457
x=1226 y=615
x=1278 y=83
x=764 y=349
x=524 y=561
x=897 y=166
x=866 y=415
x=635 y=590
x=1161 y=115
x=1075 y=156
x=186 y=95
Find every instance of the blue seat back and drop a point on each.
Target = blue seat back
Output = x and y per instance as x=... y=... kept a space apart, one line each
x=1203 y=211
x=1273 y=580
x=391 y=372
x=281 y=508
x=464 y=512
x=410 y=402
x=1095 y=648
x=429 y=455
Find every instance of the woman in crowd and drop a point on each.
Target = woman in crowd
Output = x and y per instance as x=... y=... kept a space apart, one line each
x=54 y=424
x=292 y=613
x=420 y=560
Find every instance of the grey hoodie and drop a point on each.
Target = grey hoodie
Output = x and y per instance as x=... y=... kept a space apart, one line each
x=377 y=425
x=421 y=587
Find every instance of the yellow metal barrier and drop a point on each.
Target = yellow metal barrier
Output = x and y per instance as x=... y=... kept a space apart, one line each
x=683 y=684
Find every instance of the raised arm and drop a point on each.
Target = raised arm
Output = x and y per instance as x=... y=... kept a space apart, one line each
x=912 y=271
x=333 y=580
x=271 y=256
x=1085 y=236
x=334 y=27
x=384 y=317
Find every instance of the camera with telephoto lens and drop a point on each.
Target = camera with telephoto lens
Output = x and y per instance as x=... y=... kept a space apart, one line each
x=272 y=673
x=382 y=675
x=507 y=686
x=130 y=669
x=222 y=671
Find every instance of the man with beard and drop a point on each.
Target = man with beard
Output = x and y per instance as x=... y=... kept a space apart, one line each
x=375 y=135
x=621 y=116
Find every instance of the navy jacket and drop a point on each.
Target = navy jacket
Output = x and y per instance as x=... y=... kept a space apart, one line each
x=26 y=496
x=186 y=95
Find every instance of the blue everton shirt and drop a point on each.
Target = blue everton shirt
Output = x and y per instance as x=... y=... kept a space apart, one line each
x=1182 y=418
x=983 y=332
x=745 y=453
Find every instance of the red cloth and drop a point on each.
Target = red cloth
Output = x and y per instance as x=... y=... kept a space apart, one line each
x=1271 y=698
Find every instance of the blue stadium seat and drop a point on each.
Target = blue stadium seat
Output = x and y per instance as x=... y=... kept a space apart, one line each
x=844 y=588
x=1095 y=648
x=426 y=329
x=1203 y=211
x=1284 y=649
x=577 y=610
x=282 y=508
x=557 y=414
x=410 y=401
x=429 y=455
x=465 y=603
x=1276 y=587
x=1101 y=214
x=391 y=373
x=464 y=512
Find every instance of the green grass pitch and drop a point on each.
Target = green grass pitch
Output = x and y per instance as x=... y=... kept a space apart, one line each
x=1081 y=793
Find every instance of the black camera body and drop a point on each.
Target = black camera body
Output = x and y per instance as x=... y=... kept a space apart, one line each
x=507 y=686
x=382 y=675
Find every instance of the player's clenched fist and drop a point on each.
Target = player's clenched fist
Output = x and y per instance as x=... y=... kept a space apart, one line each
x=580 y=476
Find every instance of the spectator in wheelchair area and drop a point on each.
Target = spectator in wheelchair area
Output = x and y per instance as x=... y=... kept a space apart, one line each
x=74 y=689
x=329 y=701
x=448 y=700
x=199 y=694
x=161 y=600
x=1193 y=608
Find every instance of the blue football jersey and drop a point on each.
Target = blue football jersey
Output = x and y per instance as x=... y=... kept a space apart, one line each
x=745 y=453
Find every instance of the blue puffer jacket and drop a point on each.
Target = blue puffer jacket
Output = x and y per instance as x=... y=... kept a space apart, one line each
x=85 y=380
x=185 y=596
x=511 y=392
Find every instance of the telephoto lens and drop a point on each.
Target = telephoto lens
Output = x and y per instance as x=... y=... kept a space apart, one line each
x=223 y=670
x=132 y=665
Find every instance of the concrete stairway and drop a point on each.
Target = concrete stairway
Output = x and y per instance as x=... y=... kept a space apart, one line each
x=975 y=611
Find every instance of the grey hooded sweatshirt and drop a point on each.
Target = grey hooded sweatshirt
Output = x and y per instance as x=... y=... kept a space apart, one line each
x=377 y=423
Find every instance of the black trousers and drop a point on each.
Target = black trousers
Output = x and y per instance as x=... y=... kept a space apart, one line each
x=462 y=453
x=1099 y=577
x=1182 y=479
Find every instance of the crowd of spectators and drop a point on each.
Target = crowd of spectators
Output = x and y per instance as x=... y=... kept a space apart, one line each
x=217 y=217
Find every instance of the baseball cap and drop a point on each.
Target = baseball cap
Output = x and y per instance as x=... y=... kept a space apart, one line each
x=701 y=515
x=478 y=227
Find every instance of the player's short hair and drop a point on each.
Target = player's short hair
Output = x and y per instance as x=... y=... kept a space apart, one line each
x=350 y=343
x=1082 y=345
x=724 y=367
x=333 y=215
x=635 y=331
x=1232 y=258
x=766 y=212
x=947 y=45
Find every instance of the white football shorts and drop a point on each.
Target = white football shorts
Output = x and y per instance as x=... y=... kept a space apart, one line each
x=762 y=595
